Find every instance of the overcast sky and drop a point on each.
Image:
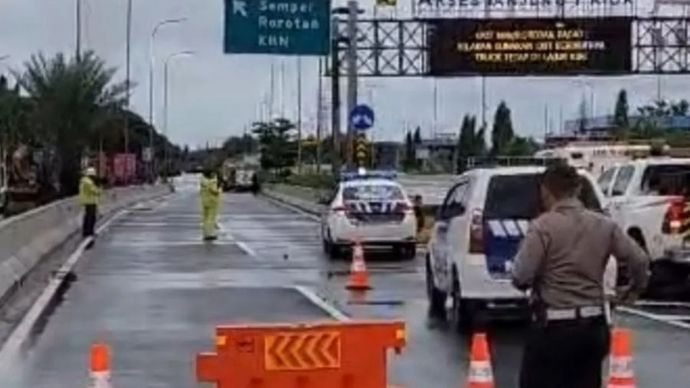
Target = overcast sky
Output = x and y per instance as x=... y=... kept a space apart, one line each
x=215 y=95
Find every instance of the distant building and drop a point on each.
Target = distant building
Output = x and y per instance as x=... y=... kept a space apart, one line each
x=387 y=155
x=438 y=153
x=602 y=128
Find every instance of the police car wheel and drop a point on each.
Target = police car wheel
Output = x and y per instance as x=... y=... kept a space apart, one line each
x=436 y=297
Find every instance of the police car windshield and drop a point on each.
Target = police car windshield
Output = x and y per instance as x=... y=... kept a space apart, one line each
x=517 y=197
x=367 y=192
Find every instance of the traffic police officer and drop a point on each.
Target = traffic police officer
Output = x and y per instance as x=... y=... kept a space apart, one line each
x=562 y=261
x=88 y=198
x=210 y=200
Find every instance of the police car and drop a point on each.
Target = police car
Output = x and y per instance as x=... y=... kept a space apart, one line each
x=477 y=234
x=371 y=207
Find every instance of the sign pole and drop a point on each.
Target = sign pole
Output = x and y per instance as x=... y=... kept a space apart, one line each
x=351 y=71
x=335 y=98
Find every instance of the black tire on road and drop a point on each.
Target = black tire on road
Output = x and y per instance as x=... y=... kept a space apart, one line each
x=436 y=297
x=463 y=311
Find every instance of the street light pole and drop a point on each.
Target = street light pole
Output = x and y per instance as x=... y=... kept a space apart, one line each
x=165 y=104
x=299 y=114
x=152 y=64
x=78 y=30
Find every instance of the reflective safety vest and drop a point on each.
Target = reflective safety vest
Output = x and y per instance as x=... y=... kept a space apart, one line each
x=88 y=191
x=210 y=192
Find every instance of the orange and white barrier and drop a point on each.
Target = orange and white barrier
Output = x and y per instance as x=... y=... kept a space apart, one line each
x=334 y=355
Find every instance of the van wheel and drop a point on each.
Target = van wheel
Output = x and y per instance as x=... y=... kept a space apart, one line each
x=463 y=311
x=436 y=297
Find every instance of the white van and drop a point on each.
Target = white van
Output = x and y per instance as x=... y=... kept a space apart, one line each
x=477 y=234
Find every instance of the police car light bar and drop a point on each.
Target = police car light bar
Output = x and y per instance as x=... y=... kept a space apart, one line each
x=368 y=174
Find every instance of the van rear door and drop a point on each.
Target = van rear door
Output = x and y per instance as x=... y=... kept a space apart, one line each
x=512 y=202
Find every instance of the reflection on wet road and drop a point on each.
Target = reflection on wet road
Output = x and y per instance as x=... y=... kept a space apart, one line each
x=154 y=291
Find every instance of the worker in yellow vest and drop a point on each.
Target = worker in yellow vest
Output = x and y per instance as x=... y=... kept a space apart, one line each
x=210 y=201
x=89 y=194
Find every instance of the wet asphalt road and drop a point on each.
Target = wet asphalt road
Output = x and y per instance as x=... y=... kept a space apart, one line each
x=154 y=291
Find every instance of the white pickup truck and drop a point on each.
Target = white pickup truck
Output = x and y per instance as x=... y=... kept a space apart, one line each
x=650 y=199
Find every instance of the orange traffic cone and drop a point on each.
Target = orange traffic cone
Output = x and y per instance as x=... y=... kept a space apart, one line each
x=99 y=367
x=359 y=276
x=480 y=374
x=621 y=373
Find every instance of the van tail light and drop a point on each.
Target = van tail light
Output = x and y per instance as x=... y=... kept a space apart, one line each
x=673 y=219
x=477 y=232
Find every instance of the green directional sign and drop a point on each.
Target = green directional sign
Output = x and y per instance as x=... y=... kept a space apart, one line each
x=290 y=27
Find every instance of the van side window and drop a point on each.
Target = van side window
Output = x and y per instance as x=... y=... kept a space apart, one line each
x=454 y=205
x=622 y=180
x=606 y=179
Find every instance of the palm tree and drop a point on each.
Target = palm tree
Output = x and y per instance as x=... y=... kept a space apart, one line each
x=70 y=99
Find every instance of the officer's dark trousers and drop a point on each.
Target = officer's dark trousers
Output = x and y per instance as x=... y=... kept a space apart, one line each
x=565 y=354
x=89 y=222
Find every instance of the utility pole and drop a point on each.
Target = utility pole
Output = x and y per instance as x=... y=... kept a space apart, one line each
x=128 y=79
x=78 y=37
x=299 y=114
x=271 y=102
x=319 y=112
x=351 y=59
x=435 y=118
x=335 y=96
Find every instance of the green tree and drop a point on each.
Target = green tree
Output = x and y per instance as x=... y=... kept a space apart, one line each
x=417 y=136
x=466 y=143
x=410 y=160
x=620 y=115
x=521 y=146
x=69 y=99
x=276 y=143
x=502 y=132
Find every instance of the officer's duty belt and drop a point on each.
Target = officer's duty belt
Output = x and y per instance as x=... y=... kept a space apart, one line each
x=574 y=313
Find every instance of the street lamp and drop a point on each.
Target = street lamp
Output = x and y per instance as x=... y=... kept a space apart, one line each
x=152 y=64
x=165 y=100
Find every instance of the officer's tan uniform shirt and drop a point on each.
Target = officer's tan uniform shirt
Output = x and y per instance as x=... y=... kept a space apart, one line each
x=565 y=252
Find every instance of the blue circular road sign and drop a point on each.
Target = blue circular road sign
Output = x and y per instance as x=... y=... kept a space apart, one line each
x=362 y=117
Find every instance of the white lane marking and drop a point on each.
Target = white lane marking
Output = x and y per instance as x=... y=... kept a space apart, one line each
x=243 y=246
x=159 y=243
x=28 y=322
x=652 y=303
x=671 y=317
x=496 y=228
x=322 y=304
x=653 y=317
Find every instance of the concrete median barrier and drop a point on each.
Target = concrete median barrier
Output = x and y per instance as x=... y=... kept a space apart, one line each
x=27 y=238
x=303 y=198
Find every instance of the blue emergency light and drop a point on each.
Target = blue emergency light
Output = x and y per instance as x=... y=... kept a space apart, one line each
x=363 y=174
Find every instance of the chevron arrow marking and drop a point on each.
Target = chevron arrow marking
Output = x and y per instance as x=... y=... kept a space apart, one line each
x=302 y=351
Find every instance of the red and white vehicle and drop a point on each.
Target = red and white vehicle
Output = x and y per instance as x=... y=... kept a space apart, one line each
x=650 y=200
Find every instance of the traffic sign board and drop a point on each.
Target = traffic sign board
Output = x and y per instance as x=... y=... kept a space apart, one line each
x=295 y=27
x=362 y=117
